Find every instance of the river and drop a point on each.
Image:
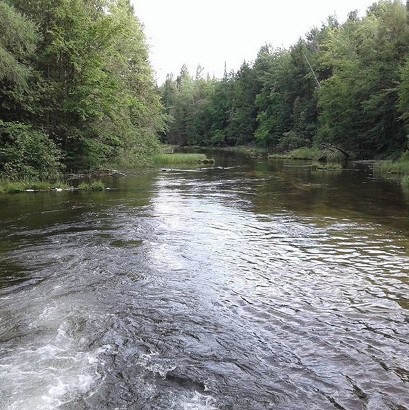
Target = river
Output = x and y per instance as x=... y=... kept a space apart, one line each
x=247 y=285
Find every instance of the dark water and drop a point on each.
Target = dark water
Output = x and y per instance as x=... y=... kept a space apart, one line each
x=255 y=286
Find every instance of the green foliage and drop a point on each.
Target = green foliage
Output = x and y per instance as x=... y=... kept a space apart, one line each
x=404 y=156
x=91 y=186
x=274 y=105
x=359 y=100
x=290 y=141
x=27 y=153
x=19 y=83
x=10 y=187
x=305 y=153
x=210 y=112
x=405 y=183
x=89 y=83
x=332 y=166
x=343 y=84
x=18 y=37
x=396 y=167
x=76 y=87
x=173 y=159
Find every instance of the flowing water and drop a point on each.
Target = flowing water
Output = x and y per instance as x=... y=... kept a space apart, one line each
x=249 y=285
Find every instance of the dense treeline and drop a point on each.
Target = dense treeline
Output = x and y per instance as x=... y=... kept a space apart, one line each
x=343 y=84
x=76 y=87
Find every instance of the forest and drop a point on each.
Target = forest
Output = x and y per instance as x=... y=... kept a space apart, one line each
x=77 y=91
x=344 y=85
x=76 y=87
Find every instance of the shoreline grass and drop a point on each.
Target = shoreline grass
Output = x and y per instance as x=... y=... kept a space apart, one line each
x=405 y=183
x=181 y=159
x=398 y=167
x=251 y=150
x=330 y=166
x=91 y=186
x=14 y=187
x=10 y=187
x=388 y=167
x=311 y=154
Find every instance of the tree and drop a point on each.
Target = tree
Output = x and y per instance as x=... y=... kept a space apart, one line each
x=99 y=101
x=273 y=102
x=243 y=112
x=359 y=100
x=18 y=39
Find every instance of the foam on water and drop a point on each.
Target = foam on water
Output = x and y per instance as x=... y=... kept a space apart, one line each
x=49 y=364
x=196 y=401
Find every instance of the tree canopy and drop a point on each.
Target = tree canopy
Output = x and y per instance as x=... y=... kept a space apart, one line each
x=77 y=90
x=77 y=72
x=344 y=84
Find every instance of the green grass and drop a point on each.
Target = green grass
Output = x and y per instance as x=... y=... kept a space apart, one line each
x=10 y=187
x=168 y=148
x=397 y=167
x=405 y=183
x=91 y=186
x=311 y=154
x=180 y=159
x=305 y=153
x=251 y=150
x=330 y=166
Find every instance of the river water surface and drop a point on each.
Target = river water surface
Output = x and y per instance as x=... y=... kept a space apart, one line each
x=248 y=285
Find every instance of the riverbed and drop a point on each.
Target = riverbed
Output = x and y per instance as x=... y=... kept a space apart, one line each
x=245 y=285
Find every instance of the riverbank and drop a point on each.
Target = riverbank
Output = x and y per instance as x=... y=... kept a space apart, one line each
x=320 y=159
x=171 y=158
x=91 y=179
x=13 y=187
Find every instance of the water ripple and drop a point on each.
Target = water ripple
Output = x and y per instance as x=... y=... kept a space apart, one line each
x=197 y=301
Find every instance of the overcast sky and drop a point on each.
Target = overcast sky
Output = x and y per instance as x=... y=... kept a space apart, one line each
x=212 y=32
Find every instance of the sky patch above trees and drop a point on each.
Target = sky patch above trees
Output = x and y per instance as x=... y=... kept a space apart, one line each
x=214 y=32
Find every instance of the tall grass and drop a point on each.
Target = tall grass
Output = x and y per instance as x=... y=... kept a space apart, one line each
x=91 y=186
x=177 y=159
x=311 y=154
x=398 y=167
x=10 y=187
x=305 y=153
x=330 y=166
x=405 y=184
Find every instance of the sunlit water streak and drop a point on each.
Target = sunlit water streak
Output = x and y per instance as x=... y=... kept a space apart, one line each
x=192 y=297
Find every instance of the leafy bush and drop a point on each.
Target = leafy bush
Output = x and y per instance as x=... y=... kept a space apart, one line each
x=389 y=167
x=290 y=141
x=331 y=166
x=218 y=138
x=27 y=154
x=405 y=182
x=9 y=187
x=404 y=156
x=305 y=153
x=92 y=186
x=172 y=159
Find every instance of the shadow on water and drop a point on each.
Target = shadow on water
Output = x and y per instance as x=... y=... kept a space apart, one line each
x=29 y=219
x=291 y=186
